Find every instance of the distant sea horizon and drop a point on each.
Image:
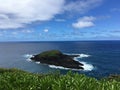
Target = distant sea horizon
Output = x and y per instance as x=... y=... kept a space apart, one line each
x=60 y=41
x=100 y=57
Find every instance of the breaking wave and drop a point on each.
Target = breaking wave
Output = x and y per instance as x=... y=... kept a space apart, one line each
x=86 y=66
x=83 y=55
x=60 y=67
x=28 y=56
x=80 y=55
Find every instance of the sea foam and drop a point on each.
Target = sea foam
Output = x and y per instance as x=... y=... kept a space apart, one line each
x=80 y=55
x=86 y=66
x=28 y=56
x=83 y=55
x=60 y=67
x=37 y=62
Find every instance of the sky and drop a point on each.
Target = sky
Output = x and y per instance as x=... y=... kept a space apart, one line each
x=59 y=20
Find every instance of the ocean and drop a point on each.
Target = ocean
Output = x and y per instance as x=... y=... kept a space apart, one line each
x=100 y=58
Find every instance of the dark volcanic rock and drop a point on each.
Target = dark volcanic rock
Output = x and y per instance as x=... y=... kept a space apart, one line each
x=55 y=57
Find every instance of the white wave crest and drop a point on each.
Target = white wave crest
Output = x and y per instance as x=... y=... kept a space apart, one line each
x=37 y=62
x=83 y=55
x=60 y=67
x=87 y=67
x=80 y=55
x=28 y=56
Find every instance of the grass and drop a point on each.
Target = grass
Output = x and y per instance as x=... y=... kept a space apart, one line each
x=54 y=53
x=14 y=79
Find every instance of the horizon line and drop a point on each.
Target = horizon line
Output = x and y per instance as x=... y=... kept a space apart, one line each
x=59 y=41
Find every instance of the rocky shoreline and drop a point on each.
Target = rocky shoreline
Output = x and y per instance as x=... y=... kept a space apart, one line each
x=57 y=58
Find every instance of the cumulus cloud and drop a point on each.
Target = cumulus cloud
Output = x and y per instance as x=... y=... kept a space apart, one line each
x=17 y=13
x=82 y=6
x=86 y=21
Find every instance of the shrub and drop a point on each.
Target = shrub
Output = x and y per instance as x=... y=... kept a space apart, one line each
x=14 y=79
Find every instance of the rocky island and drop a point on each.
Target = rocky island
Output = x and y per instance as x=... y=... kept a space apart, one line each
x=57 y=58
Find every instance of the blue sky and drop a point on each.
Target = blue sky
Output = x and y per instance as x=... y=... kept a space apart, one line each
x=59 y=20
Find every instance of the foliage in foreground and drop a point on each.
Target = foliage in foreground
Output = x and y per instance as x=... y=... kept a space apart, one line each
x=13 y=79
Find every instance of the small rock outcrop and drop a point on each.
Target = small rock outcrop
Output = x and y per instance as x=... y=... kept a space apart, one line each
x=57 y=58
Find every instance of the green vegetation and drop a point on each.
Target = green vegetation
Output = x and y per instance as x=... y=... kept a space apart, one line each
x=51 y=53
x=13 y=79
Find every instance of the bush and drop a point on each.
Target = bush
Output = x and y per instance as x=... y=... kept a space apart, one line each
x=14 y=79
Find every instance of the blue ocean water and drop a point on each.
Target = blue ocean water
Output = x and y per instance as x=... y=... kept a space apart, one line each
x=102 y=58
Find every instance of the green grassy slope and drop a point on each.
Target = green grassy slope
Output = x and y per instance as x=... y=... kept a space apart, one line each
x=13 y=79
x=54 y=53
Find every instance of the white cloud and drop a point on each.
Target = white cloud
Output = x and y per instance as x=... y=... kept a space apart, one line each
x=46 y=30
x=60 y=20
x=86 y=21
x=17 y=13
x=82 y=6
